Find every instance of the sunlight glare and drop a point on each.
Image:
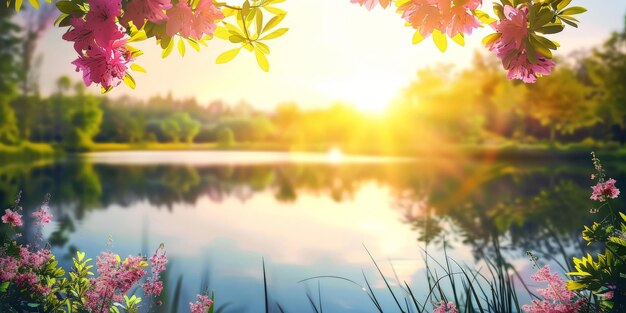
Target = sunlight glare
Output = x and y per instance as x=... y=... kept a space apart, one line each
x=335 y=155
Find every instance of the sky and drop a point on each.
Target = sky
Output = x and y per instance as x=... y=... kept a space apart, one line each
x=334 y=51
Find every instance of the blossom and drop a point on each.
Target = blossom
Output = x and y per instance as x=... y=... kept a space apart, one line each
x=80 y=34
x=204 y=19
x=8 y=268
x=370 y=4
x=101 y=19
x=31 y=281
x=444 y=307
x=558 y=299
x=462 y=20
x=429 y=15
x=202 y=305
x=106 y=67
x=601 y=191
x=12 y=218
x=423 y=16
x=514 y=28
x=153 y=286
x=180 y=19
x=520 y=67
x=138 y=11
x=43 y=216
x=34 y=260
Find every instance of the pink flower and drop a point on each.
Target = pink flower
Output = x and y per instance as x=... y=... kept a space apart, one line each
x=106 y=67
x=180 y=20
x=42 y=216
x=12 y=218
x=601 y=191
x=153 y=286
x=34 y=260
x=521 y=68
x=8 y=268
x=101 y=19
x=514 y=28
x=423 y=16
x=446 y=308
x=138 y=11
x=370 y=4
x=203 y=304
x=31 y=281
x=205 y=17
x=558 y=299
x=461 y=20
x=80 y=34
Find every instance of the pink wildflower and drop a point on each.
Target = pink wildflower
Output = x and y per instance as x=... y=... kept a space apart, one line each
x=446 y=308
x=106 y=67
x=80 y=34
x=203 y=304
x=601 y=191
x=138 y=11
x=8 y=268
x=31 y=281
x=153 y=286
x=205 y=17
x=558 y=299
x=34 y=260
x=180 y=19
x=42 y=215
x=514 y=28
x=370 y=4
x=12 y=218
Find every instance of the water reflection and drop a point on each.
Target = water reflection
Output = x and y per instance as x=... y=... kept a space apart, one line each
x=219 y=213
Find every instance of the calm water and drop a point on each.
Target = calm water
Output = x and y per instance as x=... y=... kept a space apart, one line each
x=307 y=215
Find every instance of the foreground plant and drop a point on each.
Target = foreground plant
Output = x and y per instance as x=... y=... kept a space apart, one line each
x=32 y=280
x=604 y=275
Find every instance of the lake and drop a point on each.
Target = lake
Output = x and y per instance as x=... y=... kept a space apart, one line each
x=306 y=217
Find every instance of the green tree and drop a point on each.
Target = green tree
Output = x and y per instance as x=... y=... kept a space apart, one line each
x=189 y=127
x=225 y=137
x=9 y=76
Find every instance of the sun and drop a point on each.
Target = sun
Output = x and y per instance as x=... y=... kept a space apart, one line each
x=366 y=93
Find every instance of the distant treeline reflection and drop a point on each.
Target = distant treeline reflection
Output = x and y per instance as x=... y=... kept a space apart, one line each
x=523 y=205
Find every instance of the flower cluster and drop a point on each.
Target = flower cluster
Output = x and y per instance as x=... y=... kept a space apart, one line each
x=445 y=16
x=153 y=286
x=203 y=304
x=446 y=307
x=114 y=280
x=558 y=299
x=524 y=54
x=12 y=218
x=604 y=190
x=42 y=215
x=24 y=270
x=511 y=47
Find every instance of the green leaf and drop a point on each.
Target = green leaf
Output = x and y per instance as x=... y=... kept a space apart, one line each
x=459 y=39
x=18 y=5
x=573 y=11
x=261 y=59
x=563 y=4
x=181 y=47
x=137 y=68
x=275 y=34
x=491 y=38
x=222 y=33
x=236 y=39
x=275 y=11
x=417 y=37
x=168 y=49
x=262 y=47
x=551 y=29
x=227 y=56
x=138 y=36
x=440 y=40
x=34 y=3
x=63 y=18
x=194 y=44
x=68 y=7
x=4 y=286
x=259 y=21
x=273 y=22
